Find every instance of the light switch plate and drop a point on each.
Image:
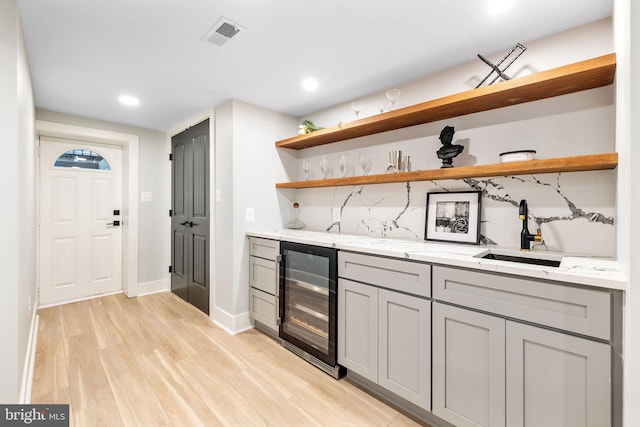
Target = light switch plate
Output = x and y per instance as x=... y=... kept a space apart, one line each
x=146 y=196
x=250 y=214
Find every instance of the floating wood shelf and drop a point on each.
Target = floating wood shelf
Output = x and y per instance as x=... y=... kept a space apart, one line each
x=589 y=74
x=564 y=164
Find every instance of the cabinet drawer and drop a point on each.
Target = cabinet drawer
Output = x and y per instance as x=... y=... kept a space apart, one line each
x=263 y=274
x=396 y=274
x=262 y=307
x=264 y=248
x=579 y=310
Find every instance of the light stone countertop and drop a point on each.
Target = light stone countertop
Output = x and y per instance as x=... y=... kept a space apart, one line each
x=597 y=272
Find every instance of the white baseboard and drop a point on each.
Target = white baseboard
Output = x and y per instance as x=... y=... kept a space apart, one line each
x=153 y=287
x=232 y=324
x=30 y=359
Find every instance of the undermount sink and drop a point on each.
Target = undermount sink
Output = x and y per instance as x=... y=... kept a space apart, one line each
x=546 y=260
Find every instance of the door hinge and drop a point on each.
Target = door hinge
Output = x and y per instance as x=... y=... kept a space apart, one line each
x=170 y=212
x=170 y=269
x=170 y=157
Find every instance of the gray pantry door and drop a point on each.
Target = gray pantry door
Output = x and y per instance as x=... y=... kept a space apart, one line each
x=190 y=215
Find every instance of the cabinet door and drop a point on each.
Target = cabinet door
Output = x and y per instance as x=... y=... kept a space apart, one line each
x=468 y=367
x=358 y=328
x=405 y=346
x=263 y=274
x=262 y=307
x=264 y=248
x=555 y=379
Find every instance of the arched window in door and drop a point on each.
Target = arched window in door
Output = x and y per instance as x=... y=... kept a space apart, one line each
x=83 y=159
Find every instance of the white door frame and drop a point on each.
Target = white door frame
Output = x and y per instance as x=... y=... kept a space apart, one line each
x=129 y=144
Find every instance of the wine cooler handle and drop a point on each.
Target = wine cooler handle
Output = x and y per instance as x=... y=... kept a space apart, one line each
x=278 y=262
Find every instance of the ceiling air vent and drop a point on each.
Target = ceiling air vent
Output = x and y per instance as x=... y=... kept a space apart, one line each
x=222 y=31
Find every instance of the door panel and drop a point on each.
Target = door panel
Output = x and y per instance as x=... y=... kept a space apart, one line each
x=555 y=379
x=80 y=253
x=190 y=215
x=404 y=337
x=468 y=367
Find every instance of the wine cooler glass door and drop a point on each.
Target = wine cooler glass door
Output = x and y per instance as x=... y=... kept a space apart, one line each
x=308 y=299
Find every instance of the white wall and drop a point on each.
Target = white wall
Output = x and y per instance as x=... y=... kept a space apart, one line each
x=17 y=293
x=627 y=37
x=247 y=166
x=153 y=217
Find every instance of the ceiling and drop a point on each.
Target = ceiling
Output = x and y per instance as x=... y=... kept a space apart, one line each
x=84 y=54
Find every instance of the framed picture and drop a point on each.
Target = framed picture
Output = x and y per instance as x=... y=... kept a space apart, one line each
x=453 y=217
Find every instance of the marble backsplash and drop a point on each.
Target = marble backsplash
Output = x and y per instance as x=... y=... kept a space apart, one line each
x=575 y=211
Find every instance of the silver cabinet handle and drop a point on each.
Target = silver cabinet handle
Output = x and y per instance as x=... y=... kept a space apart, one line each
x=277 y=263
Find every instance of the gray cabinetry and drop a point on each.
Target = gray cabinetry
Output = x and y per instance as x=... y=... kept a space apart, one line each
x=384 y=336
x=555 y=379
x=499 y=369
x=263 y=283
x=561 y=306
x=404 y=346
x=358 y=328
x=468 y=367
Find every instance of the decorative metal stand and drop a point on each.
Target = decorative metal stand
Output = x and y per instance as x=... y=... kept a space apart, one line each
x=514 y=53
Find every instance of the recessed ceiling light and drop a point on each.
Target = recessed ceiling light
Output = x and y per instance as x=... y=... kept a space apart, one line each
x=129 y=100
x=310 y=84
x=498 y=6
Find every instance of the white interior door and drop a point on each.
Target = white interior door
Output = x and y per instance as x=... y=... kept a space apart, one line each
x=80 y=203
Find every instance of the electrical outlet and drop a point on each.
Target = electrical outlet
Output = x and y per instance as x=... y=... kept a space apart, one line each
x=250 y=215
x=335 y=214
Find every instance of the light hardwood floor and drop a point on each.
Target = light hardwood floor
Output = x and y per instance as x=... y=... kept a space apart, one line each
x=156 y=360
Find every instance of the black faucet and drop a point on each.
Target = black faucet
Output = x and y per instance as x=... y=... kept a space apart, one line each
x=525 y=236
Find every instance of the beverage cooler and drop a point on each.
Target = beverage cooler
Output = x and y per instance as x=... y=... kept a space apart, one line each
x=308 y=304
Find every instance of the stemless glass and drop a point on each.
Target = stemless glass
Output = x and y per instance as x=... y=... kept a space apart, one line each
x=365 y=163
x=324 y=166
x=306 y=167
x=343 y=164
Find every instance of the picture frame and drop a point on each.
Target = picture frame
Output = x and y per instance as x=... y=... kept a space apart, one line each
x=453 y=216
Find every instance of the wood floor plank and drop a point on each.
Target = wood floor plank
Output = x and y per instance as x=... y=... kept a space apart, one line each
x=104 y=331
x=103 y=414
x=87 y=381
x=59 y=396
x=268 y=401
x=156 y=360
x=137 y=403
x=50 y=369
x=183 y=406
x=218 y=393
x=49 y=318
x=73 y=318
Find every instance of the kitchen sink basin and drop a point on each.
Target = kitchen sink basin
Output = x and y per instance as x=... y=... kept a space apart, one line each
x=546 y=260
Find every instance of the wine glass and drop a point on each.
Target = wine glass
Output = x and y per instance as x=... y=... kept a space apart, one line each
x=306 y=167
x=324 y=166
x=357 y=107
x=365 y=163
x=343 y=164
x=392 y=96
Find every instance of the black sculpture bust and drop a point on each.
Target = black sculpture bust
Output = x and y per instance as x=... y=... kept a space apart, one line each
x=448 y=150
